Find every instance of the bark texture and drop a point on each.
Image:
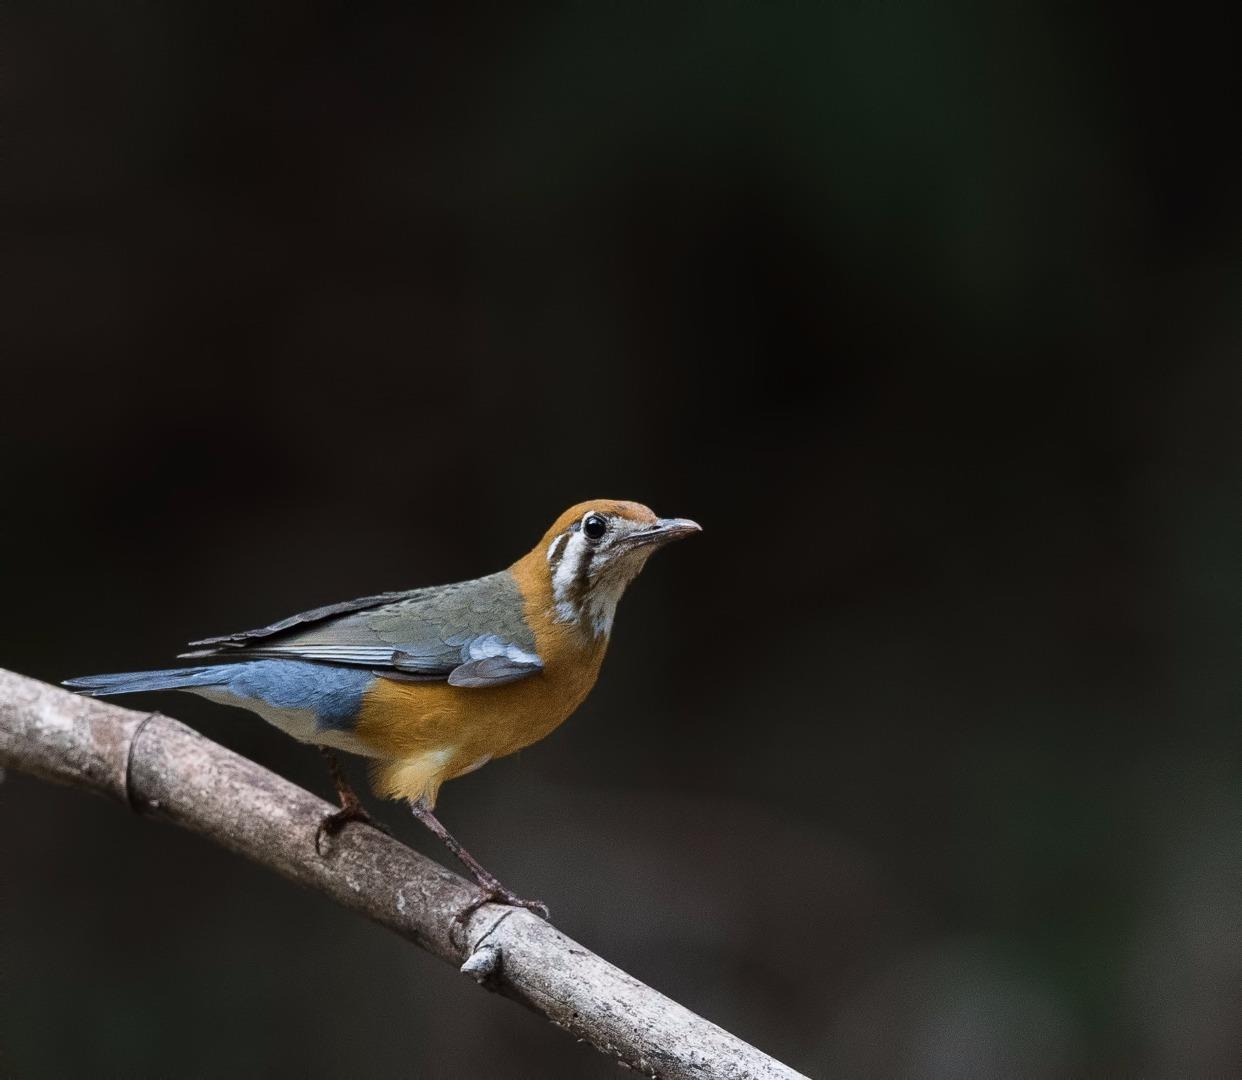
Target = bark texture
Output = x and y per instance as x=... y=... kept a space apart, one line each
x=162 y=768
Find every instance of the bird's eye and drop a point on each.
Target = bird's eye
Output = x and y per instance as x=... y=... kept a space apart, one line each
x=594 y=527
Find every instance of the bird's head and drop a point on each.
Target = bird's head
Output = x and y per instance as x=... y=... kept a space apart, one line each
x=594 y=550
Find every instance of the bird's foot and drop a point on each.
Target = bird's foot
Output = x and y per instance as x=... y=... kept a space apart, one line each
x=334 y=822
x=492 y=892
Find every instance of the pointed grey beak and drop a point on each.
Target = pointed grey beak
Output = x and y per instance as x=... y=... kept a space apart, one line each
x=665 y=530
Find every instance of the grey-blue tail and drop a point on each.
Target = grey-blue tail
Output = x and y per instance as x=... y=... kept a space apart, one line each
x=132 y=682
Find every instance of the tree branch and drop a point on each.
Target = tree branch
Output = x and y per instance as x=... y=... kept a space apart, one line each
x=162 y=768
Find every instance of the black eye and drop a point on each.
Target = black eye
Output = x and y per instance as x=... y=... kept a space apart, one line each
x=594 y=527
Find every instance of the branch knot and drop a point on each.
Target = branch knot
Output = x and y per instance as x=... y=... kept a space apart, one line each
x=126 y=786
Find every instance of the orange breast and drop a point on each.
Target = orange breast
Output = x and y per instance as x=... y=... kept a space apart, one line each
x=427 y=733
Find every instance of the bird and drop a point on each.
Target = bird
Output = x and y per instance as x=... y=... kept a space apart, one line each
x=430 y=684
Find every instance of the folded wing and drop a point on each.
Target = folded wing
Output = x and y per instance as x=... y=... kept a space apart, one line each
x=471 y=634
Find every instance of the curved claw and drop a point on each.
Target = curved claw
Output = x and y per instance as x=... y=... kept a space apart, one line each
x=498 y=894
x=333 y=823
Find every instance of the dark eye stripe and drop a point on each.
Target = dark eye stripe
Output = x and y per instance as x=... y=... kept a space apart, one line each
x=582 y=581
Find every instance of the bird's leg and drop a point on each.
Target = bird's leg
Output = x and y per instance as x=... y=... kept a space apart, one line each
x=492 y=889
x=351 y=806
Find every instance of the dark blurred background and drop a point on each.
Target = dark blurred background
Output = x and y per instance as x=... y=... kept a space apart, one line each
x=923 y=760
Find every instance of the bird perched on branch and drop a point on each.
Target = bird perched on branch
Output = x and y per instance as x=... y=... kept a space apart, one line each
x=433 y=683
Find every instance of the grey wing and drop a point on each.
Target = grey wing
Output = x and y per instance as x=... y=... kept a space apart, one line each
x=315 y=615
x=470 y=634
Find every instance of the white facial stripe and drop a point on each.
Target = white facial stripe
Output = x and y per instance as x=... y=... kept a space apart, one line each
x=611 y=571
x=575 y=556
x=555 y=547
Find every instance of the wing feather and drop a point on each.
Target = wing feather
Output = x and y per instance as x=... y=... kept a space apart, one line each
x=306 y=618
x=473 y=634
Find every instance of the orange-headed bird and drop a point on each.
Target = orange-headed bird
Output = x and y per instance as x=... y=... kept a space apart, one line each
x=433 y=683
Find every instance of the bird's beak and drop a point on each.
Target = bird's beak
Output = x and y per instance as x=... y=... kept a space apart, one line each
x=664 y=530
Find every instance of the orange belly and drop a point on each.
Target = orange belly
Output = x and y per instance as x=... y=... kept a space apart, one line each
x=425 y=733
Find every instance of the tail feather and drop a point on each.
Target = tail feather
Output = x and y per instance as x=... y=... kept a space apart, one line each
x=133 y=682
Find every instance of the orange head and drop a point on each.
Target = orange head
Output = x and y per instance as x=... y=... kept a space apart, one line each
x=594 y=550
